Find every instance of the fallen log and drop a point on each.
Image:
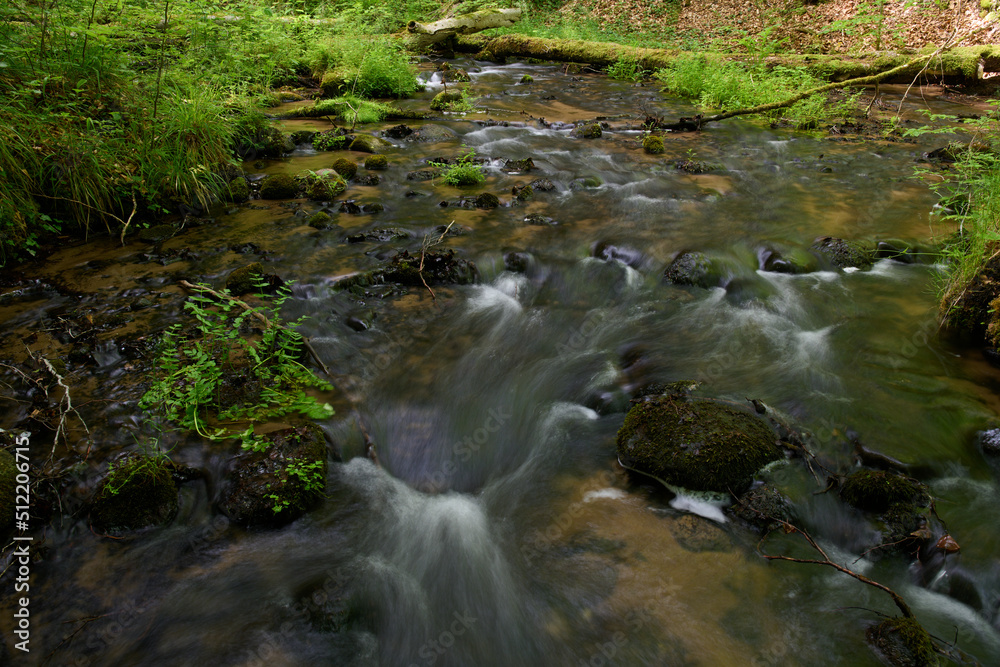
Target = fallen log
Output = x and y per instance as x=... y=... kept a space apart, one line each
x=967 y=63
x=419 y=36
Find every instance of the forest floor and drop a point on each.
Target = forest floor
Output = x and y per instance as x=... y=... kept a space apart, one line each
x=838 y=26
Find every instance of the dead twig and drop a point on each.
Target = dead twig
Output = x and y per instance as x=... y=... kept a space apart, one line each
x=424 y=247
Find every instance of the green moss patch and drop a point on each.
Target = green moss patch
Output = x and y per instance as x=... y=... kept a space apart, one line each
x=697 y=444
x=878 y=490
x=279 y=186
x=903 y=642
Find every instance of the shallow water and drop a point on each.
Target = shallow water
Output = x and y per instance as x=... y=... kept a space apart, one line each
x=499 y=528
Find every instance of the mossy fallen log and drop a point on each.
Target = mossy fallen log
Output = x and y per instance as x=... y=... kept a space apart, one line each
x=961 y=64
x=419 y=36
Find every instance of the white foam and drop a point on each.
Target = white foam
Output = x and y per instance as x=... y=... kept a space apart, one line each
x=705 y=505
x=604 y=494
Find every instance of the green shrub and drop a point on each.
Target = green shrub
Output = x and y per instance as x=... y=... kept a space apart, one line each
x=626 y=68
x=465 y=171
x=369 y=66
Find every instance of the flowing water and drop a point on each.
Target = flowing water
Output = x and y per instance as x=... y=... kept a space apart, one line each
x=498 y=528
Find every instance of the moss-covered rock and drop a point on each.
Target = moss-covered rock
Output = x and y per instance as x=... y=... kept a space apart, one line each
x=244 y=279
x=877 y=490
x=762 y=507
x=367 y=143
x=653 y=144
x=323 y=185
x=844 y=254
x=138 y=491
x=487 y=200
x=345 y=168
x=692 y=268
x=8 y=475
x=443 y=100
x=968 y=307
x=276 y=486
x=527 y=78
x=273 y=143
x=376 y=162
x=903 y=642
x=239 y=191
x=698 y=444
x=590 y=131
x=440 y=268
x=332 y=140
x=278 y=186
x=523 y=192
x=319 y=220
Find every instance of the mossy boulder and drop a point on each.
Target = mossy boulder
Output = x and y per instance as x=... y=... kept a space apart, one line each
x=275 y=486
x=332 y=140
x=8 y=475
x=523 y=192
x=443 y=100
x=693 y=268
x=903 y=642
x=239 y=191
x=590 y=131
x=698 y=444
x=440 y=268
x=320 y=220
x=487 y=200
x=844 y=254
x=250 y=278
x=345 y=168
x=527 y=78
x=138 y=491
x=762 y=508
x=367 y=143
x=323 y=185
x=877 y=490
x=652 y=144
x=273 y=143
x=279 y=186
x=376 y=162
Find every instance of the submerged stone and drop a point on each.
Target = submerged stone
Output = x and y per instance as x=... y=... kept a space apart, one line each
x=844 y=254
x=698 y=444
x=487 y=200
x=691 y=268
x=138 y=491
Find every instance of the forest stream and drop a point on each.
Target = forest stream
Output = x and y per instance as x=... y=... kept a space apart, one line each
x=497 y=526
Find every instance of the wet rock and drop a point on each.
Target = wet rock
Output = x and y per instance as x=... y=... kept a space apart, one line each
x=323 y=185
x=440 y=268
x=517 y=262
x=350 y=206
x=398 y=132
x=272 y=143
x=368 y=180
x=454 y=74
x=238 y=191
x=692 y=268
x=527 y=78
x=902 y=642
x=694 y=166
x=138 y=491
x=252 y=278
x=762 y=507
x=697 y=534
x=844 y=254
x=445 y=99
x=300 y=137
x=609 y=251
x=379 y=235
x=376 y=162
x=698 y=444
x=367 y=143
x=157 y=234
x=877 y=490
x=320 y=220
x=586 y=183
x=452 y=230
x=542 y=185
x=8 y=480
x=901 y=251
x=487 y=200
x=278 y=186
x=515 y=166
x=373 y=207
x=522 y=192
x=589 y=131
x=975 y=310
x=793 y=261
x=346 y=168
x=989 y=444
x=539 y=220
x=422 y=175
x=652 y=144
x=278 y=485
x=332 y=140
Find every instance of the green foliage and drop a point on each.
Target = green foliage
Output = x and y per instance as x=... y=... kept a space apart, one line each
x=734 y=85
x=465 y=171
x=352 y=109
x=365 y=65
x=311 y=477
x=868 y=20
x=222 y=375
x=626 y=68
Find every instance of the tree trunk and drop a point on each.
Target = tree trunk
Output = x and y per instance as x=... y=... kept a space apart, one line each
x=422 y=35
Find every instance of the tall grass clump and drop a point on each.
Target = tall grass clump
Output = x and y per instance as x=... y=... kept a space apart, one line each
x=365 y=65
x=729 y=85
